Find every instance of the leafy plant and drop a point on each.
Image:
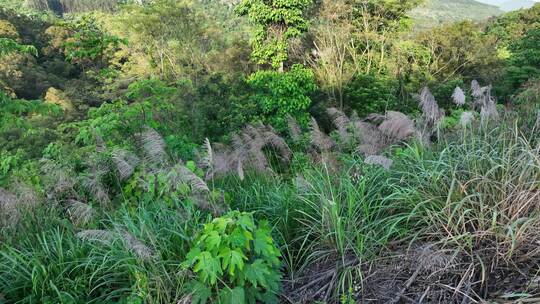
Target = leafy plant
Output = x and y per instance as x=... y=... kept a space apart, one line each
x=278 y=94
x=8 y=46
x=236 y=261
x=89 y=42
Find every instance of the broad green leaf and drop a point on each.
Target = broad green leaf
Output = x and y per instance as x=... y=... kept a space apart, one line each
x=256 y=273
x=262 y=243
x=201 y=293
x=212 y=240
x=246 y=221
x=208 y=267
x=192 y=255
x=232 y=296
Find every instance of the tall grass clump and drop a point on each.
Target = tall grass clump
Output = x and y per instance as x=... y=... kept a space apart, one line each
x=133 y=256
x=327 y=223
x=477 y=196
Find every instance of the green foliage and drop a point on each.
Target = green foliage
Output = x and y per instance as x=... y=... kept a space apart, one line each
x=89 y=42
x=368 y=94
x=236 y=261
x=8 y=46
x=26 y=125
x=276 y=95
x=276 y=21
x=151 y=104
x=461 y=49
x=524 y=63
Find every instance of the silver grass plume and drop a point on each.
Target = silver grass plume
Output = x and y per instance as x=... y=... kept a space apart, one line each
x=318 y=138
x=153 y=146
x=397 y=126
x=430 y=108
x=379 y=160
x=458 y=96
x=294 y=129
x=466 y=119
x=58 y=179
x=93 y=184
x=207 y=160
x=254 y=143
x=26 y=196
x=138 y=248
x=222 y=160
x=372 y=140
x=125 y=163
x=79 y=213
x=100 y=143
x=109 y=237
x=271 y=138
x=238 y=155
x=203 y=203
x=11 y=205
x=8 y=207
x=103 y=236
x=181 y=174
x=476 y=89
x=341 y=122
x=488 y=111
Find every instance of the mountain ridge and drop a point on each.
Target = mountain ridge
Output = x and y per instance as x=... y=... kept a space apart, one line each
x=436 y=12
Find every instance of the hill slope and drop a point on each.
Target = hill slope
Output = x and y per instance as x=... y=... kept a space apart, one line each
x=435 y=12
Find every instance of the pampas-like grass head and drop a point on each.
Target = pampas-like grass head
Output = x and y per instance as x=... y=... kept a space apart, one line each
x=125 y=163
x=466 y=119
x=318 y=138
x=341 y=122
x=430 y=108
x=153 y=146
x=107 y=237
x=379 y=160
x=294 y=128
x=458 y=97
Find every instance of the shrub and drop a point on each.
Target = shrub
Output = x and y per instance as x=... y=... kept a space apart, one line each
x=236 y=261
x=368 y=94
x=278 y=94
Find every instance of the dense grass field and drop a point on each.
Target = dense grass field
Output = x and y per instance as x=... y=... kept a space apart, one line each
x=450 y=220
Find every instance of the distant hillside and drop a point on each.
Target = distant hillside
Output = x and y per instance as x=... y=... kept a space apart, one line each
x=436 y=12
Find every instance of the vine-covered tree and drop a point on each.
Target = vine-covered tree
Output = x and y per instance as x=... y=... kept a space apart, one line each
x=276 y=22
